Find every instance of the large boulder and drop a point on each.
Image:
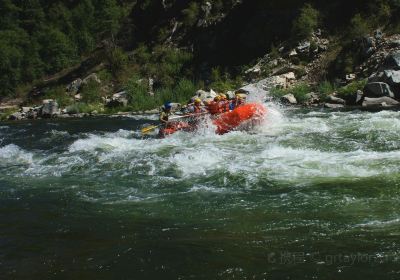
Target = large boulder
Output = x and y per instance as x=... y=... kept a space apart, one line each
x=336 y=100
x=49 y=108
x=377 y=89
x=118 y=99
x=392 y=61
x=91 y=78
x=380 y=102
x=303 y=47
x=289 y=99
x=74 y=87
x=205 y=95
x=16 y=116
x=392 y=78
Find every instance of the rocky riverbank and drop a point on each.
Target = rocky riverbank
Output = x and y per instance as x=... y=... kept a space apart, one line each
x=277 y=76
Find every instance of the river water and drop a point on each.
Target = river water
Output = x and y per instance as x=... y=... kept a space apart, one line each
x=307 y=195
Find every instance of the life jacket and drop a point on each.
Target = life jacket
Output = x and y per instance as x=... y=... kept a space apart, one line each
x=213 y=107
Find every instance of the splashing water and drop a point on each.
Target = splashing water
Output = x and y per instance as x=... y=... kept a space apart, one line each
x=305 y=187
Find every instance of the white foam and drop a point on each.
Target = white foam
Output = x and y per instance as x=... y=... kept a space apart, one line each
x=14 y=155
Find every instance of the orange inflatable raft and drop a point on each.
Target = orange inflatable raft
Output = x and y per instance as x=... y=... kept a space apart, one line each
x=251 y=112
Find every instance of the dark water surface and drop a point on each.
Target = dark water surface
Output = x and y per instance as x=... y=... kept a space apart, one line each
x=309 y=195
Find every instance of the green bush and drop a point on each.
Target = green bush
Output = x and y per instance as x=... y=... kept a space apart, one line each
x=351 y=88
x=117 y=60
x=91 y=93
x=58 y=94
x=190 y=14
x=184 y=90
x=306 y=23
x=359 y=27
x=80 y=107
x=325 y=89
x=223 y=82
x=137 y=92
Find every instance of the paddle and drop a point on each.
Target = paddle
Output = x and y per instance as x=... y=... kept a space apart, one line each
x=151 y=128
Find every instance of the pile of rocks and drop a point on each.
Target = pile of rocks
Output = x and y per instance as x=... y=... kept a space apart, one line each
x=48 y=109
x=383 y=87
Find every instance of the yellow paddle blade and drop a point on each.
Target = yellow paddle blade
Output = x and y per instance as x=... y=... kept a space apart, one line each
x=149 y=128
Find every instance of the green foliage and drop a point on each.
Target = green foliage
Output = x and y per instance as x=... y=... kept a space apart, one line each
x=59 y=52
x=325 y=89
x=191 y=14
x=117 y=60
x=274 y=52
x=58 y=93
x=223 y=82
x=351 y=88
x=184 y=90
x=109 y=16
x=165 y=64
x=91 y=93
x=139 y=99
x=40 y=38
x=359 y=27
x=306 y=23
x=80 y=107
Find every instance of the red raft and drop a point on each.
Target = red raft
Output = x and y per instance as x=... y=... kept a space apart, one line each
x=248 y=113
x=251 y=113
x=174 y=127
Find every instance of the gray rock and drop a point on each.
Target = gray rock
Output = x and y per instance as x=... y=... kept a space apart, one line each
x=367 y=45
x=313 y=98
x=205 y=95
x=303 y=47
x=16 y=116
x=336 y=100
x=392 y=77
x=91 y=78
x=289 y=99
x=395 y=43
x=49 y=109
x=333 y=106
x=118 y=99
x=78 y=97
x=376 y=77
x=359 y=96
x=392 y=61
x=26 y=109
x=377 y=89
x=380 y=102
x=378 y=34
x=74 y=86
x=32 y=114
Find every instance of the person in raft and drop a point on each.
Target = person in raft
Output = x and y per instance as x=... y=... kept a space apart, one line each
x=213 y=107
x=165 y=113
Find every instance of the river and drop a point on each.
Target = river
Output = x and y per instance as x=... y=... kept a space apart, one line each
x=307 y=195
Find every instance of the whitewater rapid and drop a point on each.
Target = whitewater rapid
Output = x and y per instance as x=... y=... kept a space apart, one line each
x=295 y=148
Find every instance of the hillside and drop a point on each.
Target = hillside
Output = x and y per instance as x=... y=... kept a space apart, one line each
x=166 y=50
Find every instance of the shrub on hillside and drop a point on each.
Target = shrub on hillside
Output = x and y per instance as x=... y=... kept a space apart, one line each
x=359 y=27
x=91 y=93
x=351 y=88
x=306 y=23
x=325 y=89
x=190 y=14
